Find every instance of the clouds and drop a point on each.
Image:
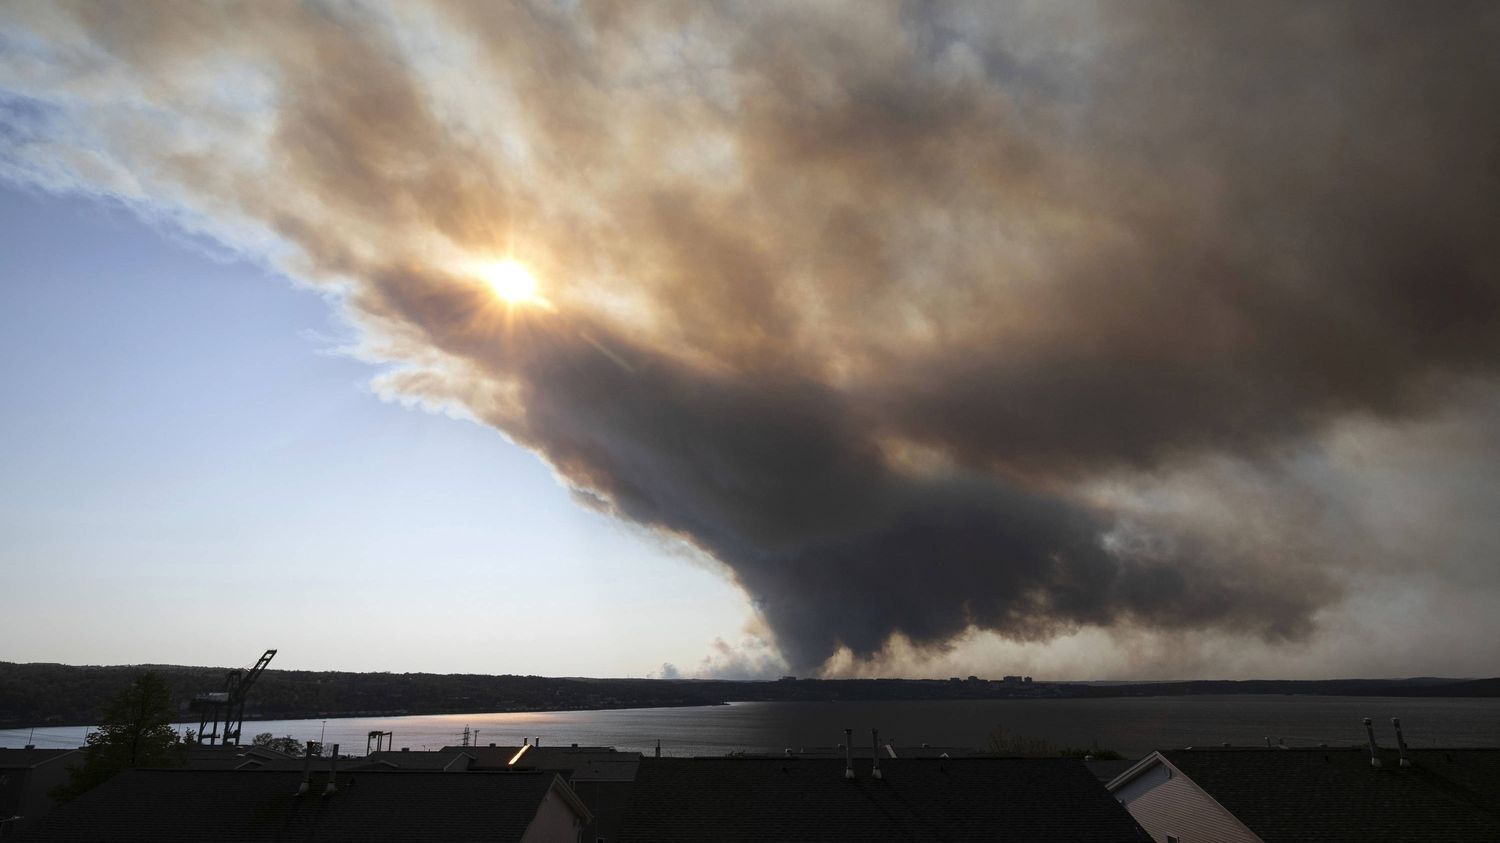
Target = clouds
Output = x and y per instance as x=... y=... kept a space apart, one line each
x=868 y=302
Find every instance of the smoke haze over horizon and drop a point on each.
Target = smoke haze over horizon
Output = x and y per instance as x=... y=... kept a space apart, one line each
x=1127 y=339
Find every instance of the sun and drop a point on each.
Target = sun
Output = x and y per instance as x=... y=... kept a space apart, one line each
x=511 y=281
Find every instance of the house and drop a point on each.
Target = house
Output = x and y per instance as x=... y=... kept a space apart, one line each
x=789 y=799
x=604 y=783
x=867 y=751
x=26 y=775
x=268 y=805
x=532 y=756
x=1106 y=771
x=1273 y=795
x=202 y=757
x=600 y=775
x=447 y=760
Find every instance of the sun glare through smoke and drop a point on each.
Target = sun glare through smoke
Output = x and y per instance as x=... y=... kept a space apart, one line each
x=512 y=282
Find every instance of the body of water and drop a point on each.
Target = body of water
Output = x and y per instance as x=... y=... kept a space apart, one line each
x=1131 y=725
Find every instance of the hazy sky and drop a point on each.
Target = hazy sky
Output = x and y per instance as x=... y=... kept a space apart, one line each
x=1147 y=339
x=192 y=473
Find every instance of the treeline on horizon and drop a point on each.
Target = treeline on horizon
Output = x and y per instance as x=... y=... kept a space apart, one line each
x=43 y=694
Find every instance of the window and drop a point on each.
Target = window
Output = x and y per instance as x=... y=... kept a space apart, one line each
x=1172 y=839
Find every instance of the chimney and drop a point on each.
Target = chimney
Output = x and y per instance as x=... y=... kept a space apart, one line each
x=1400 y=742
x=848 y=758
x=658 y=747
x=306 y=771
x=1370 y=731
x=333 y=771
x=536 y=742
x=875 y=771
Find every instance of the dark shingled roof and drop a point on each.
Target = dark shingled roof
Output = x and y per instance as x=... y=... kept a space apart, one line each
x=1034 y=799
x=440 y=760
x=230 y=805
x=1106 y=771
x=540 y=757
x=17 y=759
x=1335 y=795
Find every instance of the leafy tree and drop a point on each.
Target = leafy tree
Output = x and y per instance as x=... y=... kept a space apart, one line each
x=288 y=744
x=136 y=732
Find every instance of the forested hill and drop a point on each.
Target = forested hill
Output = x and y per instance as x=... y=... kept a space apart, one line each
x=53 y=694
x=37 y=693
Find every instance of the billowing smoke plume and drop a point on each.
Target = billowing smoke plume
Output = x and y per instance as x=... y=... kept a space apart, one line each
x=867 y=301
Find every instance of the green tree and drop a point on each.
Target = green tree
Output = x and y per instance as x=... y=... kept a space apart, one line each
x=136 y=732
x=288 y=745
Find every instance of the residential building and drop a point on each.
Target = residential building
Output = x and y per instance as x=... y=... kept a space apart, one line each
x=369 y=806
x=601 y=776
x=953 y=799
x=26 y=776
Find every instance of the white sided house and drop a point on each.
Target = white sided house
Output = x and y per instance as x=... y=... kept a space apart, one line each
x=1374 y=795
x=1172 y=808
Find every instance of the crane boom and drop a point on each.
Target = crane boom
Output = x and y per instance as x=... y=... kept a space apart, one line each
x=229 y=702
x=236 y=717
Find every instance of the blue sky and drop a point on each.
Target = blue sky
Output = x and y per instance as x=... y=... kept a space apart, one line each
x=190 y=472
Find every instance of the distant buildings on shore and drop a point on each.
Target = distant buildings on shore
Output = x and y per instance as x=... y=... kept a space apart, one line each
x=1009 y=681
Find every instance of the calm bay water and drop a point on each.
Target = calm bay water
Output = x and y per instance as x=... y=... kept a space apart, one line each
x=1133 y=726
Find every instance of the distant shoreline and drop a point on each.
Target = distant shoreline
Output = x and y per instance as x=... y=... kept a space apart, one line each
x=42 y=695
x=358 y=715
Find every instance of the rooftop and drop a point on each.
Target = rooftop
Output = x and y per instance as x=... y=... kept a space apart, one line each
x=918 y=799
x=1336 y=795
x=15 y=759
x=239 y=805
x=540 y=757
x=445 y=759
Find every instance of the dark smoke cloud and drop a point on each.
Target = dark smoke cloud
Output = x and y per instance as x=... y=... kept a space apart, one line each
x=861 y=300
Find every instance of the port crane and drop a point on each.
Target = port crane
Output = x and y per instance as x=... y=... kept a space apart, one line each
x=227 y=705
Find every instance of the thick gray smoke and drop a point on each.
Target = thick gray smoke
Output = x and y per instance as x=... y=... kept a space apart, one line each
x=862 y=300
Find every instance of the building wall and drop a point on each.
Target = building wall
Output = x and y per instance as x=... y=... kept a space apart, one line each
x=25 y=791
x=607 y=800
x=1168 y=803
x=555 y=822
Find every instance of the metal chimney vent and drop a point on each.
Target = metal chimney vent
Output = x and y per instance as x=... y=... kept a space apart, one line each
x=848 y=757
x=1400 y=742
x=1370 y=732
